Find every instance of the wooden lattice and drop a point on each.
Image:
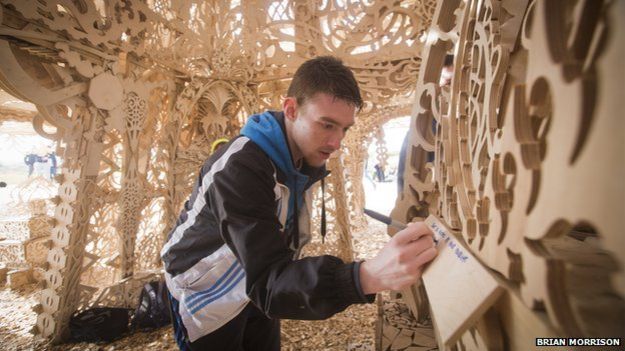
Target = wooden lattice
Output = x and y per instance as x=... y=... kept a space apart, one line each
x=136 y=91
x=527 y=167
x=527 y=146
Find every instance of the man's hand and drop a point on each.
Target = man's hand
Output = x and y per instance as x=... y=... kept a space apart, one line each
x=400 y=262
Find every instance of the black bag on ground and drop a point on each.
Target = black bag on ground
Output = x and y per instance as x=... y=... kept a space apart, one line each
x=153 y=310
x=99 y=324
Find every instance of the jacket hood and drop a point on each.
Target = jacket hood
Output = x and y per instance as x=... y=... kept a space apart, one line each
x=267 y=131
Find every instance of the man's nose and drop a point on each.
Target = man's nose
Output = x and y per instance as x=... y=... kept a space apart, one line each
x=335 y=141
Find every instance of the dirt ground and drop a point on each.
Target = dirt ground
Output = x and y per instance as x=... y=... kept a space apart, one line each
x=353 y=329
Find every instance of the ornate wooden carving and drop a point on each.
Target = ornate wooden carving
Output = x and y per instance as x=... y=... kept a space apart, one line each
x=526 y=145
x=136 y=91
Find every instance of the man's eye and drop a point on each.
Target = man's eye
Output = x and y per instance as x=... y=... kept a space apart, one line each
x=328 y=126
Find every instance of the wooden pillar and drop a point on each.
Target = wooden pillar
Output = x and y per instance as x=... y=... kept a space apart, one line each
x=132 y=191
x=341 y=214
x=71 y=226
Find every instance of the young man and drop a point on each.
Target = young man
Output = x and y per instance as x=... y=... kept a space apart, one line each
x=231 y=262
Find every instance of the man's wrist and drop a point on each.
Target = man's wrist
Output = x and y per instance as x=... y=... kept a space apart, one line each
x=367 y=280
x=359 y=289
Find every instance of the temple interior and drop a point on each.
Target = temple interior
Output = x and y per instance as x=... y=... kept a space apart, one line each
x=514 y=141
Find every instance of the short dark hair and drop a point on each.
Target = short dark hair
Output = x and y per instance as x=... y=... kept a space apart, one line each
x=325 y=74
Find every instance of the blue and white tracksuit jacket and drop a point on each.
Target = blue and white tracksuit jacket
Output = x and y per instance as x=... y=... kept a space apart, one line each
x=237 y=239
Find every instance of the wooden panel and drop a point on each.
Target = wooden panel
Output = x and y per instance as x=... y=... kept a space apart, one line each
x=460 y=289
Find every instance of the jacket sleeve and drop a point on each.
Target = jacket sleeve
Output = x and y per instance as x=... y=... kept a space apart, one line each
x=243 y=201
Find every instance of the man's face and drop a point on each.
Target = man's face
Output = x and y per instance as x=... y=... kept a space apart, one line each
x=317 y=127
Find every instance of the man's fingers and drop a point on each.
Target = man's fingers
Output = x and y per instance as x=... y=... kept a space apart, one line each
x=426 y=256
x=415 y=267
x=412 y=232
x=415 y=248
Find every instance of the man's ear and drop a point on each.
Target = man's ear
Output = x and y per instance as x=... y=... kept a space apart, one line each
x=289 y=106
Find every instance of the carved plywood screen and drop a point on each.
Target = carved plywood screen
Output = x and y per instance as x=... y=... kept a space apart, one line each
x=528 y=160
x=355 y=146
x=136 y=91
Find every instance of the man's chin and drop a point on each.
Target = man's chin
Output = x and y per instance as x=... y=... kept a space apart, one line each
x=316 y=163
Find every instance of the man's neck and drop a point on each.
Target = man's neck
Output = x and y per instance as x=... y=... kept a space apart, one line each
x=298 y=163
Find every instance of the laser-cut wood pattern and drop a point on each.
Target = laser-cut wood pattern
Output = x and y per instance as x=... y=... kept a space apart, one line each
x=136 y=91
x=527 y=145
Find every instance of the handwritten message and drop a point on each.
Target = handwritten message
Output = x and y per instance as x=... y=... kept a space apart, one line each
x=442 y=238
x=460 y=289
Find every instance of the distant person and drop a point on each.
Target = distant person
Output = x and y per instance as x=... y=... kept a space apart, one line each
x=30 y=160
x=3 y=185
x=379 y=172
x=52 y=157
x=447 y=72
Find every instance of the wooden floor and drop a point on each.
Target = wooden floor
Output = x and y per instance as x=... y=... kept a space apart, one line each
x=399 y=330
